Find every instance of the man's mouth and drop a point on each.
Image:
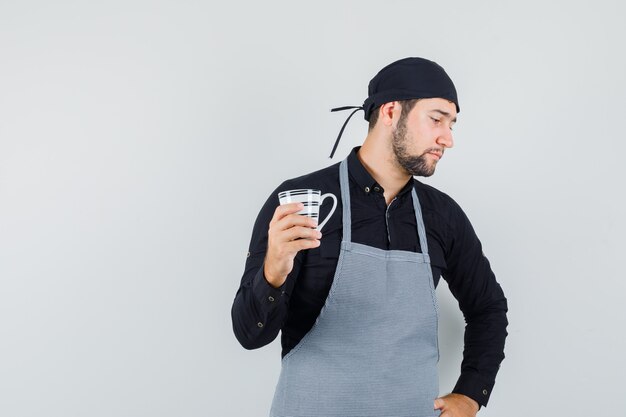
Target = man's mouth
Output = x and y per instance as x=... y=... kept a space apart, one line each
x=436 y=154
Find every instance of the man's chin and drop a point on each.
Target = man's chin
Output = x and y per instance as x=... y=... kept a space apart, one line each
x=424 y=171
x=418 y=167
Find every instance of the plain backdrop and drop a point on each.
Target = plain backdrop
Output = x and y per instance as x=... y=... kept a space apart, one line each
x=139 y=139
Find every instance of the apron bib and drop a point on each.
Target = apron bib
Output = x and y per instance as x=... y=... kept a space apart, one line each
x=373 y=350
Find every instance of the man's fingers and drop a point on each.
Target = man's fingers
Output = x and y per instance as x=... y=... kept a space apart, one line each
x=299 y=232
x=290 y=220
x=439 y=403
x=302 y=244
x=286 y=209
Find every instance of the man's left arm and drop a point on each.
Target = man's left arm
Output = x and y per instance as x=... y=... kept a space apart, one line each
x=484 y=306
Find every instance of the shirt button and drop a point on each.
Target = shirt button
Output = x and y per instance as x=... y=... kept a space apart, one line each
x=259 y=324
x=377 y=189
x=367 y=189
x=271 y=298
x=485 y=392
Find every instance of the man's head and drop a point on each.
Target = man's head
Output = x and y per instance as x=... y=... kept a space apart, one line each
x=405 y=83
x=418 y=104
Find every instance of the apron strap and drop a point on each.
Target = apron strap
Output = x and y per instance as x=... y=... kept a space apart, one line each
x=345 y=200
x=421 y=229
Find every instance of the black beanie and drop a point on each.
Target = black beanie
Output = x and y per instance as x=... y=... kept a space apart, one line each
x=407 y=79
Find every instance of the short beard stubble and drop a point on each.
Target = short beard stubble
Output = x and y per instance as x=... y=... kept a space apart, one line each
x=414 y=165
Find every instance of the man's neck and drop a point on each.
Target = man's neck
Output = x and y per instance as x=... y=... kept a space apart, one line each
x=377 y=157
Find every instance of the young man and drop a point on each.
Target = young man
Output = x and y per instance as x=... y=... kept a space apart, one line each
x=356 y=305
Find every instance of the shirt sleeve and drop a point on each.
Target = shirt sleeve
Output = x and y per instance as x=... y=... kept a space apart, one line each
x=484 y=307
x=259 y=310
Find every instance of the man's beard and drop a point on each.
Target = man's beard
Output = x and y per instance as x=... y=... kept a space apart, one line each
x=414 y=165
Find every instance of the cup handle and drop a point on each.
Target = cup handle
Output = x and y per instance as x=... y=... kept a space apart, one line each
x=332 y=210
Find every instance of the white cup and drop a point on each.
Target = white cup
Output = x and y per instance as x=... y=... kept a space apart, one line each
x=312 y=200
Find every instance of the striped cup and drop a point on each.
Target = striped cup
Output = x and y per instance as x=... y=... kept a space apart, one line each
x=312 y=200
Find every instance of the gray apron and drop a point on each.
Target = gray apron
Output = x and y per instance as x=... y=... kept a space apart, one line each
x=373 y=350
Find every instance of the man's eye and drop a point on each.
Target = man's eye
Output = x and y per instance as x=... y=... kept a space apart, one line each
x=435 y=120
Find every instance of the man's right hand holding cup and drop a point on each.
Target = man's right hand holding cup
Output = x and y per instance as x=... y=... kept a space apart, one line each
x=288 y=234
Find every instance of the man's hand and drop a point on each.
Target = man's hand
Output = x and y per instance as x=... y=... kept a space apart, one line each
x=288 y=234
x=456 y=405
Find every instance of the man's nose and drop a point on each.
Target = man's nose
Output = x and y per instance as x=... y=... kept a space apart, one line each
x=445 y=138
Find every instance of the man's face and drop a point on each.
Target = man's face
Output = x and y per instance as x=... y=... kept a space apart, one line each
x=421 y=136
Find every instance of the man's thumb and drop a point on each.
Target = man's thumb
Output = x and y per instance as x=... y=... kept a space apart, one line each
x=439 y=403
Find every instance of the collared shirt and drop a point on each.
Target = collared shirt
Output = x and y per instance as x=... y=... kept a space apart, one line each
x=260 y=311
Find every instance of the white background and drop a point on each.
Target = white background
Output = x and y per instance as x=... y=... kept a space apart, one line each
x=138 y=140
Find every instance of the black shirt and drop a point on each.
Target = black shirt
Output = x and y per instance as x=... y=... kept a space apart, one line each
x=260 y=311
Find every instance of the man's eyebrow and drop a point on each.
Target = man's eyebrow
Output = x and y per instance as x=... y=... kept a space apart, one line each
x=444 y=113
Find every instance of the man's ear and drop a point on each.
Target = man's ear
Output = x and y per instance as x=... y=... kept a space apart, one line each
x=389 y=113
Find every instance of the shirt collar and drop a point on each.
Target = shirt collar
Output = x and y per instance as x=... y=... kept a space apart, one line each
x=363 y=178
